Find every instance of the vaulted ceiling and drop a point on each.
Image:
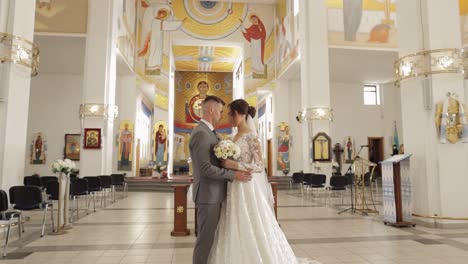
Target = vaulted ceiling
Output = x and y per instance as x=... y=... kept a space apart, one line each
x=205 y=58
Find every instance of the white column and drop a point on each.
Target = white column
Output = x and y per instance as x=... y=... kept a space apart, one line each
x=438 y=170
x=16 y=18
x=99 y=82
x=315 y=83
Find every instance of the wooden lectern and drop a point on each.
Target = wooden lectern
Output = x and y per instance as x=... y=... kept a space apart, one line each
x=274 y=189
x=396 y=184
x=180 y=211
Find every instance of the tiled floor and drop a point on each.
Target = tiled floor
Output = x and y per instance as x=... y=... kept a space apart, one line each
x=137 y=230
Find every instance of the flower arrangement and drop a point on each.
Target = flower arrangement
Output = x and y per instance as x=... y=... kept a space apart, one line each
x=159 y=167
x=63 y=166
x=317 y=166
x=335 y=165
x=226 y=149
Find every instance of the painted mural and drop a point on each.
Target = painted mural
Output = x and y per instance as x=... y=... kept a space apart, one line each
x=190 y=91
x=125 y=139
x=362 y=23
x=126 y=29
x=160 y=135
x=61 y=16
x=287 y=37
x=284 y=143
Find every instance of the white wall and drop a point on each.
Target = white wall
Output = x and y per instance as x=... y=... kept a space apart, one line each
x=53 y=110
x=353 y=118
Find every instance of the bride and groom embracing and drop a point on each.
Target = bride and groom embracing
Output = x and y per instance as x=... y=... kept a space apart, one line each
x=236 y=220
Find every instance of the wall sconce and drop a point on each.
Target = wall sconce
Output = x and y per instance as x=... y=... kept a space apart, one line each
x=18 y=50
x=431 y=62
x=315 y=113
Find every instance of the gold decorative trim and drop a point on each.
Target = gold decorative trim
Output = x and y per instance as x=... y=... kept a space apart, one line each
x=315 y=113
x=19 y=50
x=430 y=62
x=98 y=110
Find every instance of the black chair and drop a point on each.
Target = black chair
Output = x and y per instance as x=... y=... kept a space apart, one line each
x=79 y=187
x=52 y=190
x=46 y=179
x=315 y=181
x=106 y=185
x=28 y=198
x=337 y=183
x=94 y=186
x=33 y=180
x=8 y=218
x=119 y=180
x=297 y=178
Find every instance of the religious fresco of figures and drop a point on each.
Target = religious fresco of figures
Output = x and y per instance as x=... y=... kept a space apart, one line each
x=125 y=148
x=463 y=5
x=154 y=19
x=284 y=143
x=362 y=23
x=38 y=149
x=160 y=134
x=126 y=29
x=287 y=37
x=233 y=22
x=349 y=149
x=61 y=16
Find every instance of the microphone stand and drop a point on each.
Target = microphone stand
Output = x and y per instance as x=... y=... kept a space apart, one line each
x=352 y=209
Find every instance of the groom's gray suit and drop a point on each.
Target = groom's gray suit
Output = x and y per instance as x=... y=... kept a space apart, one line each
x=209 y=188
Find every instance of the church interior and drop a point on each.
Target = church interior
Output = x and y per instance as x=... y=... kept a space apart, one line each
x=360 y=114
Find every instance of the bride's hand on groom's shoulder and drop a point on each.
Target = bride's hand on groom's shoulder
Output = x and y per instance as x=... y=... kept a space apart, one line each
x=229 y=164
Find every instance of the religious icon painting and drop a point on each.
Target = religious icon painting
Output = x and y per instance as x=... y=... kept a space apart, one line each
x=284 y=143
x=125 y=149
x=321 y=147
x=349 y=149
x=160 y=135
x=92 y=138
x=38 y=149
x=72 y=147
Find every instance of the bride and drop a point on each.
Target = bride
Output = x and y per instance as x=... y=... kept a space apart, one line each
x=247 y=230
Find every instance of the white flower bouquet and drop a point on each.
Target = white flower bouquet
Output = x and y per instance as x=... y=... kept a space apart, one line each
x=335 y=164
x=66 y=166
x=226 y=149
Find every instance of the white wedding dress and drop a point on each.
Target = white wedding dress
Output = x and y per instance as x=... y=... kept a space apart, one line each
x=247 y=230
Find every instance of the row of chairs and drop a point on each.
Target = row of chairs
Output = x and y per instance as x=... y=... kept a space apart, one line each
x=22 y=198
x=318 y=181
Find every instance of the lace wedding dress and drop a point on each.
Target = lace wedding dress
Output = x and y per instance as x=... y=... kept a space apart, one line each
x=247 y=230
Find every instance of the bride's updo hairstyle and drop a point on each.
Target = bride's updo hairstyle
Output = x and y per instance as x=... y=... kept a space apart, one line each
x=242 y=107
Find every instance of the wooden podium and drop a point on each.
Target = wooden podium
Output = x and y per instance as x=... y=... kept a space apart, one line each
x=180 y=211
x=396 y=183
x=274 y=189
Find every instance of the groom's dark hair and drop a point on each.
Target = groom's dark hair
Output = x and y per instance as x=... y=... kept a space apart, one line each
x=214 y=99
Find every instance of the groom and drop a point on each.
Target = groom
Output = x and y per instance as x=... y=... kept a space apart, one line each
x=209 y=179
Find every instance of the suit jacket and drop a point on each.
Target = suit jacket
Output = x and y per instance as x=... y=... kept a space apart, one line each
x=209 y=178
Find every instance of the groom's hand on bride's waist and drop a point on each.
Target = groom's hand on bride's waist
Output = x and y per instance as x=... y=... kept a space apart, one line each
x=242 y=176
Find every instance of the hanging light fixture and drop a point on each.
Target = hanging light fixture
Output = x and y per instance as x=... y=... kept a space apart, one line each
x=315 y=113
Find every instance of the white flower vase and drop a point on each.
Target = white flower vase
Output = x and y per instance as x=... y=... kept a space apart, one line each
x=66 y=219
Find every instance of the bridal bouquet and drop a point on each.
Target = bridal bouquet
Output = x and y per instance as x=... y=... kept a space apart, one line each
x=226 y=149
x=66 y=166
